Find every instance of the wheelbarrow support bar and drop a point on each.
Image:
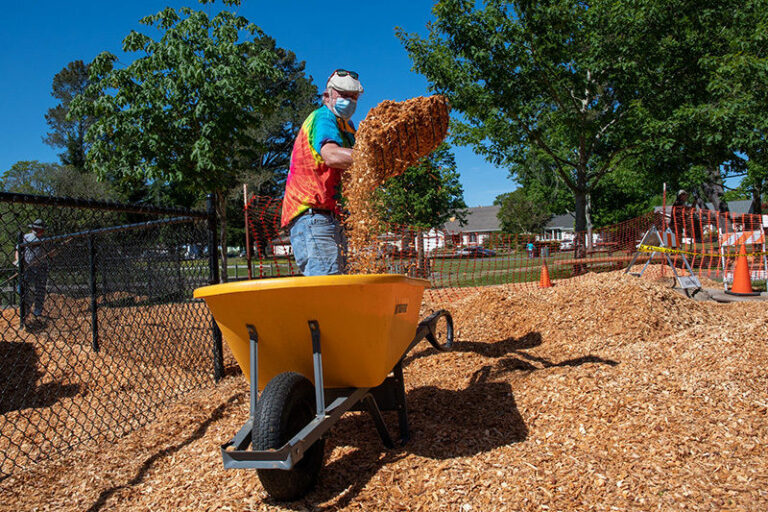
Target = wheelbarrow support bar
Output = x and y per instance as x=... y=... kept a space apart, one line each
x=289 y=454
x=235 y=453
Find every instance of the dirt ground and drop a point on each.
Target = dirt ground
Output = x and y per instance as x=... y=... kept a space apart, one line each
x=610 y=393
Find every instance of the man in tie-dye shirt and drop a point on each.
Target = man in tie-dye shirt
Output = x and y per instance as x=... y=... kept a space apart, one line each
x=322 y=151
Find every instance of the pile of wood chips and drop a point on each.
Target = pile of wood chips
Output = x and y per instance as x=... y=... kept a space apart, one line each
x=608 y=393
x=392 y=137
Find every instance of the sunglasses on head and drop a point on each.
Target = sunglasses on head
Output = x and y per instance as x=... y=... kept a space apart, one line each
x=344 y=72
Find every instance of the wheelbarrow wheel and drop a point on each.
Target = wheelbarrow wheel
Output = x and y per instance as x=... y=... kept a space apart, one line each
x=286 y=405
x=440 y=334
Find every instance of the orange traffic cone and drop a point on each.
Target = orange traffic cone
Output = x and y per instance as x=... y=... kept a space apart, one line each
x=545 y=281
x=742 y=283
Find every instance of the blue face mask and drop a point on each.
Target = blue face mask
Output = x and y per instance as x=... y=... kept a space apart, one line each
x=344 y=107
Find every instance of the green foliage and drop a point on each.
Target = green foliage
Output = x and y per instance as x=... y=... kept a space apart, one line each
x=587 y=85
x=626 y=193
x=538 y=177
x=68 y=132
x=519 y=214
x=192 y=113
x=178 y=113
x=738 y=88
x=426 y=195
x=41 y=178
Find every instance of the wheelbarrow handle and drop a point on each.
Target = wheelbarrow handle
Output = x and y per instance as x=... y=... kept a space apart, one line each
x=427 y=329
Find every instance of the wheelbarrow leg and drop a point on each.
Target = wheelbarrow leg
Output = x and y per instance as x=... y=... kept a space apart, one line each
x=402 y=406
x=378 y=420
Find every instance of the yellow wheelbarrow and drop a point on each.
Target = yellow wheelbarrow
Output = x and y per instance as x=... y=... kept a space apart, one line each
x=317 y=347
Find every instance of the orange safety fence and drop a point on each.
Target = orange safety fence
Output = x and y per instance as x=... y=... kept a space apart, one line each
x=457 y=261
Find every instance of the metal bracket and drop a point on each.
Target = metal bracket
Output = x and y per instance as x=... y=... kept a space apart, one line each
x=314 y=329
x=253 y=336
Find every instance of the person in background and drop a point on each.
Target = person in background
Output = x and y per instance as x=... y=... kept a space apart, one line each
x=678 y=215
x=34 y=278
x=530 y=247
x=321 y=152
x=681 y=200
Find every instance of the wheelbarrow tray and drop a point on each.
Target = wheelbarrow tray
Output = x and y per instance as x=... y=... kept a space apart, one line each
x=367 y=323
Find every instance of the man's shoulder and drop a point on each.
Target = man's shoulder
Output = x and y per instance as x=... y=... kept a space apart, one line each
x=321 y=113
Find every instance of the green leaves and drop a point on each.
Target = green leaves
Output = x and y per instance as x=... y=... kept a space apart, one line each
x=590 y=85
x=178 y=112
x=427 y=195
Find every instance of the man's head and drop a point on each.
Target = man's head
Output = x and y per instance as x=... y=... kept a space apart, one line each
x=38 y=226
x=341 y=92
x=682 y=194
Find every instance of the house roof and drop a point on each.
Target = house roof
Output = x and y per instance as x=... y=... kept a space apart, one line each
x=485 y=219
x=738 y=207
x=563 y=222
x=479 y=218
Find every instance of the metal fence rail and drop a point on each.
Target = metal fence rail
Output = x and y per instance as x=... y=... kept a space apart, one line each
x=98 y=327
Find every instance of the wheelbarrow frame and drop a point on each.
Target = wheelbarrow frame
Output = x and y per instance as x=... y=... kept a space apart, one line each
x=330 y=403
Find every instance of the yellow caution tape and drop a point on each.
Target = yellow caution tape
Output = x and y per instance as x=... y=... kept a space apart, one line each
x=651 y=248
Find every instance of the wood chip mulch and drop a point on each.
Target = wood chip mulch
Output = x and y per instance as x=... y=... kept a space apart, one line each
x=610 y=393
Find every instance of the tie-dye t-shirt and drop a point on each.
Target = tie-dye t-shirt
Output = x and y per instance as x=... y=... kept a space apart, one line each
x=311 y=183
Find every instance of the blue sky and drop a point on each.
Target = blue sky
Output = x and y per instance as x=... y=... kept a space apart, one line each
x=40 y=37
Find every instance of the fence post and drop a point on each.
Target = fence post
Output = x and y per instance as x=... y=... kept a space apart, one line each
x=22 y=285
x=213 y=269
x=92 y=283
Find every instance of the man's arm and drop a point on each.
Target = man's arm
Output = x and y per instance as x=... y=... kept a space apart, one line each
x=336 y=156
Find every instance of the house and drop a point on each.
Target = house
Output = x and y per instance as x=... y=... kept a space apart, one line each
x=560 y=228
x=482 y=222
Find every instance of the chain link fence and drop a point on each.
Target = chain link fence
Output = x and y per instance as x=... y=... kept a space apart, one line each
x=98 y=327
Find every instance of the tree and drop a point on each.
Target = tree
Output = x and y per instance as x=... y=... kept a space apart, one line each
x=266 y=165
x=426 y=195
x=589 y=85
x=518 y=214
x=181 y=112
x=265 y=168
x=69 y=132
x=538 y=177
x=49 y=179
x=738 y=87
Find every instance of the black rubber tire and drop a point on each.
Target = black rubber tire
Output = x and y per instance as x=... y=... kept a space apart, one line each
x=286 y=405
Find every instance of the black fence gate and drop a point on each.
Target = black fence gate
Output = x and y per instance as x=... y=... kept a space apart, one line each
x=98 y=327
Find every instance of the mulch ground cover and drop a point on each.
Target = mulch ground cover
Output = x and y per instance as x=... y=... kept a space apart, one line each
x=608 y=393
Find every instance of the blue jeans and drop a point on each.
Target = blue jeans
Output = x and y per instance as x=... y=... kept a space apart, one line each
x=319 y=244
x=35 y=281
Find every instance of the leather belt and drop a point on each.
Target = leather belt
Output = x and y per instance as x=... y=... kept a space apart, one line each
x=321 y=211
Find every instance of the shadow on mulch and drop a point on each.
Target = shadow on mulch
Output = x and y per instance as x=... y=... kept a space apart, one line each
x=18 y=380
x=199 y=432
x=483 y=348
x=445 y=424
x=511 y=355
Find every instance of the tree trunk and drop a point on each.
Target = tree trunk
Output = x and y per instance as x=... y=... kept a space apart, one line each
x=221 y=212
x=713 y=189
x=757 y=203
x=580 y=251
x=588 y=219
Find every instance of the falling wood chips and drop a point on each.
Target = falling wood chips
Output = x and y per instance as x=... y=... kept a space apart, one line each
x=392 y=137
x=608 y=393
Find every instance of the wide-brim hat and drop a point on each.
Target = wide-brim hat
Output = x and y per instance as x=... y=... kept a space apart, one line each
x=38 y=224
x=346 y=83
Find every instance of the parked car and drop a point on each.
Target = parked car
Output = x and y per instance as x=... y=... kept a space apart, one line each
x=475 y=252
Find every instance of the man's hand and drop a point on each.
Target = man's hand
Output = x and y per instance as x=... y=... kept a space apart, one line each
x=336 y=156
